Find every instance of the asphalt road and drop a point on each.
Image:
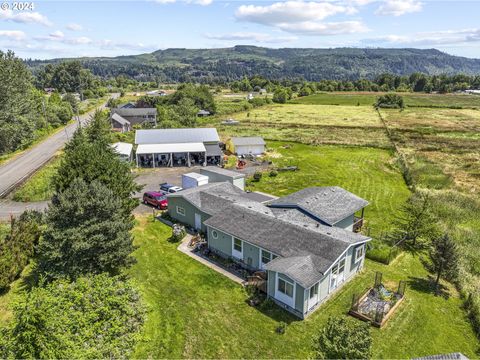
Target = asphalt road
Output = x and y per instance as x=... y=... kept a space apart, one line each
x=18 y=169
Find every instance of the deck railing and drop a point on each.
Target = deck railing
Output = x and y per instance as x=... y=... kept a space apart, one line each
x=357 y=223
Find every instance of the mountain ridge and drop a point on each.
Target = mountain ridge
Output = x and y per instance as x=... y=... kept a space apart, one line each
x=313 y=64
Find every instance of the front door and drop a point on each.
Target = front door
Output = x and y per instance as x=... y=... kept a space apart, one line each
x=313 y=296
x=198 y=221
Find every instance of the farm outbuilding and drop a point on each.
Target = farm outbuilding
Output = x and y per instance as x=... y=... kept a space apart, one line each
x=177 y=147
x=246 y=145
x=217 y=174
x=193 y=179
x=124 y=150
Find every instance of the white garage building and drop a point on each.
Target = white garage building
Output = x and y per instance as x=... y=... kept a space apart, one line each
x=254 y=145
x=177 y=147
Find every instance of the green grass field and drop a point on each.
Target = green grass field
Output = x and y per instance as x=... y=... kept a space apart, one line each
x=411 y=99
x=195 y=312
x=367 y=172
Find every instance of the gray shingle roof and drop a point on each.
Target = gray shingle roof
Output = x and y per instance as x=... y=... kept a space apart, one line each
x=306 y=251
x=222 y=171
x=247 y=140
x=135 y=111
x=173 y=136
x=214 y=197
x=213 y=150
x=329 y=204
x=120 y=120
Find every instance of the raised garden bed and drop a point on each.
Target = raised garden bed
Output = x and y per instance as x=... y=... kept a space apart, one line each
x=378 y=303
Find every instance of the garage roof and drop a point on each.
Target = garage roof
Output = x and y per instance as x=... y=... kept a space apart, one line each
x=172 y=136
x=170 y=148
x=247 y=140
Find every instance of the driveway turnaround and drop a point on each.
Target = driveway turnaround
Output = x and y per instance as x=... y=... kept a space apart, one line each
x=18 y=169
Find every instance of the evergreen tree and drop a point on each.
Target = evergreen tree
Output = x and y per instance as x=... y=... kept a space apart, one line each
x=343 y=338
x=444 y=259
x=86 y=233
x=89 y=156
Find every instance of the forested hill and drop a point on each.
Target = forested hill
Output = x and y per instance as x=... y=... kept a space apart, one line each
x=226 y=64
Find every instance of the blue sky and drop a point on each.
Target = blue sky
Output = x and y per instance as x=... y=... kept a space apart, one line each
x=110 y=28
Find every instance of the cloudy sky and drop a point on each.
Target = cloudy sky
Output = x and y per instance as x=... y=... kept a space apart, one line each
x=108 y=28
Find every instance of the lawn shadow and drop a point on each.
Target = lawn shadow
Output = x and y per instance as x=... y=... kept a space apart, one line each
x=428 y=286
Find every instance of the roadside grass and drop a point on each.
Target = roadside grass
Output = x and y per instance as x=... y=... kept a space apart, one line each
x=367 y=172
x=195 y=312
x=411 y=99
x=39 y=187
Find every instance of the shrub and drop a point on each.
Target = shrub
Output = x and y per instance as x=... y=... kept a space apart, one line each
x=273 y=173
x=257 y=176
x=343 y=338
x=178 y=232
x=94 y=317
x=391 y=101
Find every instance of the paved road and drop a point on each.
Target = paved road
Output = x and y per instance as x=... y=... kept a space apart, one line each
x=21 y=167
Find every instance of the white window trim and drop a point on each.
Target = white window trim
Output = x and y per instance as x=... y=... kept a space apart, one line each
x=358 y=258
x=235 y=253
x=261 y=263
x=284 y=298
x=180 y=212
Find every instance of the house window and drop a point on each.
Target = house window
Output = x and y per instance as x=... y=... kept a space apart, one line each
x=265 y=257
x=180 y=211
x=314 y=291
x=359 y=253
x=285 y=287
x=341 y=266
x=215 y=234
x=237 y=245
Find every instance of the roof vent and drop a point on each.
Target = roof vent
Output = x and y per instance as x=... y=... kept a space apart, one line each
x=305 y=225
x=329 y=233
x=318 y=225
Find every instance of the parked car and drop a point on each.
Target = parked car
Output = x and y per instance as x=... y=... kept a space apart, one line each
x=156 y=198
x=170 y=188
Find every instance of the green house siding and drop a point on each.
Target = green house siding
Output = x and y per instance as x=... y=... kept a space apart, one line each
x=190 y=210
x=222 y=243
x=251 y=255
x=323 y=287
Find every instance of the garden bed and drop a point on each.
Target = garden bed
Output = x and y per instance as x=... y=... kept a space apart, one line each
x=378 y=303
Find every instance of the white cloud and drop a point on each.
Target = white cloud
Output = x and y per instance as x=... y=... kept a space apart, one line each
x=399 y=7
x=300 y=17
x=13 y=34
x=251 y=36
x=58 y=36
x=444 y=37
x=289 y=12
x=25 y=17
x=107 y=44
x=74 y=27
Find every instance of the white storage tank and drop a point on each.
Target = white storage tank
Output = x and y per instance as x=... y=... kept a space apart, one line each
x=192 y=180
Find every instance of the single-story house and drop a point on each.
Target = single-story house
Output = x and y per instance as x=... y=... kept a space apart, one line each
x=218 y=174
x=177 y=147
x=254 y=145
x=124 y=150
x=119 y=123
x=136 y=115
x=304 y=259
x=202 y=113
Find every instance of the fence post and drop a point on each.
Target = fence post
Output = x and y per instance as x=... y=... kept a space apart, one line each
x=379 y=314
x=378 y=279
x=355 y=299
x=401 y=287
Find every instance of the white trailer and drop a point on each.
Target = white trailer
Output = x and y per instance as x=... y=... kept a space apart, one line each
x=192 y=180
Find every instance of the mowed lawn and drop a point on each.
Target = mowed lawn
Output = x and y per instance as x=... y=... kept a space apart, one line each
x=367 y=172
x=194 y=312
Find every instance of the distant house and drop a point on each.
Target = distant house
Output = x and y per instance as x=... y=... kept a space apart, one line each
x=124 y=150
x=246 y=145
x=250 y=96
x=128 y=105
x=202 y=113
x=120 y=124
x=136 y=115
x=178 y=147
x=262 y=91
x=302 y=244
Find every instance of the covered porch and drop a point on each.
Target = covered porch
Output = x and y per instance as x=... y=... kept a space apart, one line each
x=169 y=155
